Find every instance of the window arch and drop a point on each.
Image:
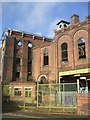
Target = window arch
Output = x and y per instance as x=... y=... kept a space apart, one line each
x=46 y=57
x=64 y=50
x=43 y=80
x=81 y=48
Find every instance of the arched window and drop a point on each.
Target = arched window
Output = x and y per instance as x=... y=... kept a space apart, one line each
x=64 y=52
x=43 y=80
x=29 y=45
x=30 y=58
x=81 y=48
x=19 y=43
x=46 y=57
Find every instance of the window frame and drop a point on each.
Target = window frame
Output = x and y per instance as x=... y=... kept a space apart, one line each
x=64 y=51
x=30 y=45
x=28 y=91
x=19 y=75
x=45 y=57
x=81 y=44
x=19 y=43
x=18 y=92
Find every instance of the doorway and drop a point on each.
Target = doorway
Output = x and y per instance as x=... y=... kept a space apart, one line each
x=89 y=86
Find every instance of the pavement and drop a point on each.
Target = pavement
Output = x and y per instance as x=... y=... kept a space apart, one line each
x=37 y=115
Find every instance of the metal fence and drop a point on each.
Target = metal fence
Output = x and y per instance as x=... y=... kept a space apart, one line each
x=57 y=95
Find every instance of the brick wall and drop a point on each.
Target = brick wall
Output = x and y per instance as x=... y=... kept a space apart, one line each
x=8 y=59
x=28 y=84
x=71 y=37
x=83 y=104
x=37 y=57
x=0 y=64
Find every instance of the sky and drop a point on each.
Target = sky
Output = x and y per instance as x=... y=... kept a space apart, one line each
x=39 y=17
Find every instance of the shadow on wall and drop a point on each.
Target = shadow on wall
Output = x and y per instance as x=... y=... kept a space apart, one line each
x=10 y=106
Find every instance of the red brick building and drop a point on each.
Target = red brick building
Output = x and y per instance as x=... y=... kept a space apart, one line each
x=0 y=64
x=73 y=52
x=27 y=58
x=30 y=58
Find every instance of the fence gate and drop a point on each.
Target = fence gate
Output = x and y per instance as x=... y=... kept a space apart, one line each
x=57 y=95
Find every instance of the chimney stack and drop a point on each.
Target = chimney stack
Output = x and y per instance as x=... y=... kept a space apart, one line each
x=74 y=19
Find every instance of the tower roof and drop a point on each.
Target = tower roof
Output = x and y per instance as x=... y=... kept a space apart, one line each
x=62 y=21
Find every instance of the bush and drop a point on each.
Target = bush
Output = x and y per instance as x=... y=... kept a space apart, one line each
x=30 y=78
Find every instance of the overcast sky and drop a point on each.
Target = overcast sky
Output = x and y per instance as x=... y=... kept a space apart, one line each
x=39 y=17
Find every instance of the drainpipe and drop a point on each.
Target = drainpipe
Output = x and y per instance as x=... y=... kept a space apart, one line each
x=1 y=65
x=73 y=53
x=37 y=93
x=55 y=61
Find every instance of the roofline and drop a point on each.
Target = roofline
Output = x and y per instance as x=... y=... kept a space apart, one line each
x=62 y=21
x=25 y=33
x=72 y=26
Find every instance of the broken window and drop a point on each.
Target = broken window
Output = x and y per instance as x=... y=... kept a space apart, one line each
x=29 y=45
x=17 y=74
x=30 y=58
x=19 y=43
x=46 y=57
x=64 y=52
x=30 y=67
x=43 y=80
x=18 y=61
x=29 y=52
x=81 y=48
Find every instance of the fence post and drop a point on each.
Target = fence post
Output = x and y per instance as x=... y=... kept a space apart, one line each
x=37 y=94
x=24 y=104
x=59 y=86
x=50 y=97
x=59 y=83
x=77 y=85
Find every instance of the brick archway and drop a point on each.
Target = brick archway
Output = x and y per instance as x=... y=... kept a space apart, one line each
x=42 y=79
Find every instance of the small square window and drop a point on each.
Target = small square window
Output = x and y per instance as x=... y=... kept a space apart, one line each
x=28 y=92
x=17 y=92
